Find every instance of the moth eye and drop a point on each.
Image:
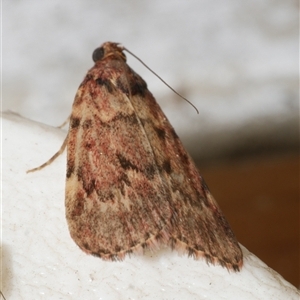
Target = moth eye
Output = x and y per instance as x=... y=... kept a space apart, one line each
x=98 y=54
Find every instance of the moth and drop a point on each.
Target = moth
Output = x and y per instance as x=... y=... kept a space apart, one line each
x=130 y=183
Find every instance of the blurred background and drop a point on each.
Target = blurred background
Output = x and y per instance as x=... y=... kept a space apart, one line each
x=237 y=61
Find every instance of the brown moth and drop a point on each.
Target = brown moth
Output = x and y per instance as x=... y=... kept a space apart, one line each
x=130 y=183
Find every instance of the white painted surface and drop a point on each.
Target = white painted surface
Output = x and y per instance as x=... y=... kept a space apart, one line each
x=41 y=261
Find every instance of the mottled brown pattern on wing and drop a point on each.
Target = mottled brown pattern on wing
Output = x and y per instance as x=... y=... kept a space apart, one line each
x=130 y=183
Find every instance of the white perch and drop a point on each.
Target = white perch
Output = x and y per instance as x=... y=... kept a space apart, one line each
x=41 y=261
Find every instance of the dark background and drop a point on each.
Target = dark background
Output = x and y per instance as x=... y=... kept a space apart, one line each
x=259 y=196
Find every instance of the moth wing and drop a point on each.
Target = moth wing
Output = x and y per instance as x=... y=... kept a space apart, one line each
x=130 y=183
x=197 y=225
x=115 y=196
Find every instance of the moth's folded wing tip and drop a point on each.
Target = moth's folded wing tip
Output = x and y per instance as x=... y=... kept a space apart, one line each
x=182 y=248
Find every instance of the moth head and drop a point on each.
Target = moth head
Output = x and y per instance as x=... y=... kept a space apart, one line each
x=109 y=49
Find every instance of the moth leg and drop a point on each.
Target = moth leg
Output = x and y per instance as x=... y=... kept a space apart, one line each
x=65 y=122
x=58 y=153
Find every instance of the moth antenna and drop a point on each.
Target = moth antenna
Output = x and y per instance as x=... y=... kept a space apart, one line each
x=2 y=295
x=161 y=79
